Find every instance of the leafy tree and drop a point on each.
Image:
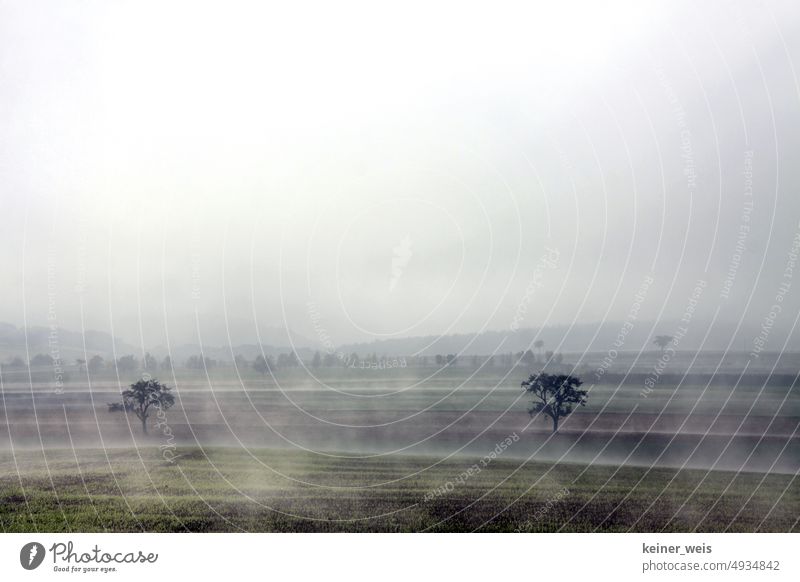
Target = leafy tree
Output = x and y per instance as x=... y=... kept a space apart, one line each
x=150 y=364
x=16 y=363
x=166 y=364
x=144 y=395
x=96 y=363
x=539 y=344
x=262 y=365
x=200 y=363
x=528 y=357
x=548 y=355
x=662 y=341
x=450 y=359
x=41 y=360
x=240 y=362
x=80 y=363
x=287 y=360
x=439 y=359
x=555 y=395
x=127 y=363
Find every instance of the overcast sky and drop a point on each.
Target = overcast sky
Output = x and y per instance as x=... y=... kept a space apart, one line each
x=182 y=172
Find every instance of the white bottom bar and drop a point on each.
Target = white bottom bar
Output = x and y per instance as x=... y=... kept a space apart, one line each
x=403 y=557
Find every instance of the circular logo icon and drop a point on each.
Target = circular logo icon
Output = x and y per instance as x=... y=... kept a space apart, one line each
x=31 y=555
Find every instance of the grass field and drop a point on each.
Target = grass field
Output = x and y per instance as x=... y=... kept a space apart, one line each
x=229 y=489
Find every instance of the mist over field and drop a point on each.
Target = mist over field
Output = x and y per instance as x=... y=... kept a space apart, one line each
x=430 y=268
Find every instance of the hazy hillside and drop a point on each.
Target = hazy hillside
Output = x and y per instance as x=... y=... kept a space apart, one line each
x=584 y=337
x=68 y=344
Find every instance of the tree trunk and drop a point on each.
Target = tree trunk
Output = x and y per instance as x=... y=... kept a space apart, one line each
x=144 y=425
x=555 y=424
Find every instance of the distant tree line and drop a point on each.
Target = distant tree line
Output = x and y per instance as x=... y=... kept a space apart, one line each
x=264 y=363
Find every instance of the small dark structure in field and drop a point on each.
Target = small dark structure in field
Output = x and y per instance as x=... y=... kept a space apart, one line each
x=555 y=395
x=142 y=397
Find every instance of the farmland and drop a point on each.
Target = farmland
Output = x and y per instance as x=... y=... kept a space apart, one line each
x=399 y=450
x=224 y=489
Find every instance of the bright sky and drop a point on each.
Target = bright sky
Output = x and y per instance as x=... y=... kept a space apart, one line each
x=236 y=161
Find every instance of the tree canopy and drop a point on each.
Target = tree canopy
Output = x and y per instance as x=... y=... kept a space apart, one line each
x=145 y=395
x=555 y=395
